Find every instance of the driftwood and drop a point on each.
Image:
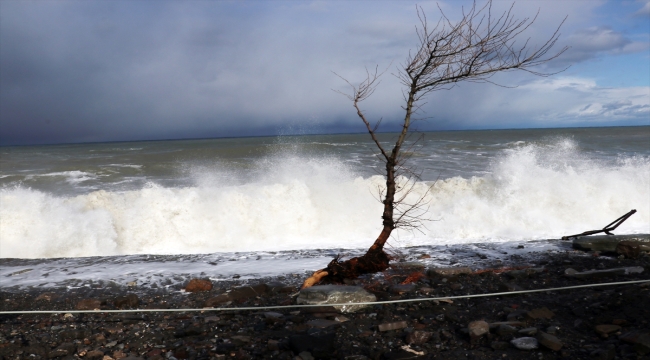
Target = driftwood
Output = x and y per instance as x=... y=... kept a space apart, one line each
x=607 y=229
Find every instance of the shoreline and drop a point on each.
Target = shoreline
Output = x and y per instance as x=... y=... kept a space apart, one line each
x=588 y=323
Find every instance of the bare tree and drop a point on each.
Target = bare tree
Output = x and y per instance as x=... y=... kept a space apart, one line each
x=472 y=49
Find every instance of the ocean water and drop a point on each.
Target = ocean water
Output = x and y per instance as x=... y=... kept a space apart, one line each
x=315 y=194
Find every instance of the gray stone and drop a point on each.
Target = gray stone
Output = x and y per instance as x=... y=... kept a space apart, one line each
x=448 y=271
x=392 y=326
x=504 y=330
x=336 y=294
x=552 y=329
x=528 y=331
x=604 y=273
x=607 y=329
x=608 y=243
x=549 y=341
x=306 y=355
x=525 y=343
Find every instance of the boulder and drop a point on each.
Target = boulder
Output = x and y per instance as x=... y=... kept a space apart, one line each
x=336 y=294
x=608 y=243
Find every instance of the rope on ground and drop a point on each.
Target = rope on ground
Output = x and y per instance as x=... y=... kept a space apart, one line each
x=276 y=307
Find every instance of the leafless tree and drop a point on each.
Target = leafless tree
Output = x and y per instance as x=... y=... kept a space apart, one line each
x=472 y=49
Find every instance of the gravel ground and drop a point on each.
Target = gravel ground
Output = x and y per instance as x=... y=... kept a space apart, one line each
x=610 y=322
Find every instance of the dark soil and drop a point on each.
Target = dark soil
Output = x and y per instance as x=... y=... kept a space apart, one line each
x=421 y=330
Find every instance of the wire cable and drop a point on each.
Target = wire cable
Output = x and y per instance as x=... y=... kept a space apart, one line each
x=279 y=307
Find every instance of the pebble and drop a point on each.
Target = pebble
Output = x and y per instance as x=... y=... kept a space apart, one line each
x=525 y=343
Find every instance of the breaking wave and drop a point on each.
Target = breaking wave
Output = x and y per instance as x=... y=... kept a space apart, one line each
x=531 y=192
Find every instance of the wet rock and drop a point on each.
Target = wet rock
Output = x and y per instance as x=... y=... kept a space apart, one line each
x=407 y=266
x=524 y=273
x=606 y=329
x=197 y=285
x=336 y=294
x=94 y=354
x=130 y=301
x=247 y=292
x=401 y=289
x=541 y=313
x=418 y=337
x=240 y=340
x=477 y=329
x=549 y=341
x=88 y=304
x=608 y=243
x=217 y=301
x=552 y=330
x=506 y=330
x=629 y=249
x=392 y=326
x=525 y=343
x=48 y=296
x=499 y=345
x=450 y=271
x=528 y=331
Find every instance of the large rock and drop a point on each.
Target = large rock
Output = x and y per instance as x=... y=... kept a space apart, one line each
x=336 y=294
x=608 y=243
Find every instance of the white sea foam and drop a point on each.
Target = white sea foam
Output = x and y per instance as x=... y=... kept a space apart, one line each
x=532 y=192
x=71 y=177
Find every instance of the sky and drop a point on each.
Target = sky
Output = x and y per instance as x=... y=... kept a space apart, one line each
x=94 y=71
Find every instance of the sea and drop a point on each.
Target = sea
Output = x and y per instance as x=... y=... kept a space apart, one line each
x=158 y=212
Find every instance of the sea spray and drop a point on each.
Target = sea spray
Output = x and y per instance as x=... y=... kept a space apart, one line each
x=282 y=201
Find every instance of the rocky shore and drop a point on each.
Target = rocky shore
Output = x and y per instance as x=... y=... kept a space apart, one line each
x=608 y=322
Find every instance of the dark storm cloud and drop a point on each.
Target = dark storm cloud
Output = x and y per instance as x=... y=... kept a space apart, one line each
x=102 y=71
